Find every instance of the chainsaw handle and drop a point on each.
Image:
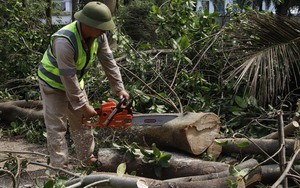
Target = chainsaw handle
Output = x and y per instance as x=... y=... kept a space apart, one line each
x=120 y=103
x=88 y=123
x=107 y=121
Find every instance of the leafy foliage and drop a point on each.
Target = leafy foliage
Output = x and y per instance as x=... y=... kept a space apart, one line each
x=270 y=69
x=154 y=157
x=23 y=39
x=183 y=66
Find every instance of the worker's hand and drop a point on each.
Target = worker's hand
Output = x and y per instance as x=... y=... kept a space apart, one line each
x=88 y=111
x=122 y=94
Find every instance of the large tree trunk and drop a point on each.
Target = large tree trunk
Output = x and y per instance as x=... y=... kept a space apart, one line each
x=190 y=132
x=22 y=110
x=193 y=133
x=180 y=166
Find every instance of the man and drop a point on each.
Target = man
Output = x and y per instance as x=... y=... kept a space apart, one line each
x=71 y=52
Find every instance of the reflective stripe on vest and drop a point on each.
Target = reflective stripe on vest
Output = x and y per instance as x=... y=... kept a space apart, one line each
x=48 y=70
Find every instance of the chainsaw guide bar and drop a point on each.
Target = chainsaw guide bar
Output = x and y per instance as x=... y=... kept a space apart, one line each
x=113 y=115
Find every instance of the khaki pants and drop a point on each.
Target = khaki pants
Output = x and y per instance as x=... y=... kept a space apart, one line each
x=57 y=110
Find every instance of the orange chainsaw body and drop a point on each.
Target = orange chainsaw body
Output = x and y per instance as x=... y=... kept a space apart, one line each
x=123 y=117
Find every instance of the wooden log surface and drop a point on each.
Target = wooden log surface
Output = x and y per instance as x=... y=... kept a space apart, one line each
x=190 y=132
x=254 y=176
x=180 y=166
x=289 y=129
x=112 y=180
x=256 y=146
x=21 y=110
x=271 y=172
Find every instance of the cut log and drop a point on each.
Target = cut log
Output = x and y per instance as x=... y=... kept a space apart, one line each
x=289 y=129
x=214 y=150
x=112 y=180
x=190 y=132
x=254 y=176
x=256 y=146
x=270 y=173
x=180 y=166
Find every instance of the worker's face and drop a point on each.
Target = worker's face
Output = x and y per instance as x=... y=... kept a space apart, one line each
x=94 y=33
x=90 y=32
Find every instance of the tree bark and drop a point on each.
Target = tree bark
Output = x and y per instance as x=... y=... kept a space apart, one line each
x=49 y=12
x=112 y=180
x=271 y=172
x=180 y=165
x=22 y=110
x=289 y=129
x=254 y=176
x=256 y=146
x=190 y=132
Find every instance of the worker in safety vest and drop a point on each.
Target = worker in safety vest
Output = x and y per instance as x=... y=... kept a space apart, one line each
x=72 y=50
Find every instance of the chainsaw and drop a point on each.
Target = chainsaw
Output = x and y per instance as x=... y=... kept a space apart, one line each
x=115 y=115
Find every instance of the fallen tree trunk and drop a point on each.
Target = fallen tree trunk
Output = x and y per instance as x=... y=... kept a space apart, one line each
x=180 y=166
x=254 y=176
x=111 y=180
x=22 y=110
x=256 y=146
x=270 y=173
x=289 y=129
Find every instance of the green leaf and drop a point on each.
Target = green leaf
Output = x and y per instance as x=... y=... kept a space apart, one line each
x=156 y=151
x=116 y=145
x=143 y=151
x=49 y=184
x=121 y=169
x=235 y=109
x=241 y=102
x=221 y=143
x=232 y=170
x=242 y=144
x=244 y=172
x=164 y=160
x=184 y=42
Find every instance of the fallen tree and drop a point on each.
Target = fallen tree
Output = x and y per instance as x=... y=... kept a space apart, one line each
x=193 y=133
x=218 y=180
x=180 y=165
x=112 y=180
x=22 y=110
x=254 y=146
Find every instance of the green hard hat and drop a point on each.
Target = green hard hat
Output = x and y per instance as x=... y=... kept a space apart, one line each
x=97 y=15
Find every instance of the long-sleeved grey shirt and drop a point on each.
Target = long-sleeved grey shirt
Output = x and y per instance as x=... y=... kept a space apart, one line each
x=64 y=53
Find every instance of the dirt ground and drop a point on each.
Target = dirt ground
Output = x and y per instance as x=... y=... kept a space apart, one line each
x=30 y=174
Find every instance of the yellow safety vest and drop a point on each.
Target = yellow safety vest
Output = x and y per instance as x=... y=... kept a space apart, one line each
x=48 y=70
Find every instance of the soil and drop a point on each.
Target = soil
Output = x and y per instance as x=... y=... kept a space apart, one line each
x=29 y=174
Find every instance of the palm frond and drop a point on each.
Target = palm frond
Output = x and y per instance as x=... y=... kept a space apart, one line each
x=265 y=49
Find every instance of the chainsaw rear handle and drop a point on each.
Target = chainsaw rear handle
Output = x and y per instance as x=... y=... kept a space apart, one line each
x=99 y=111
x=88 y=122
